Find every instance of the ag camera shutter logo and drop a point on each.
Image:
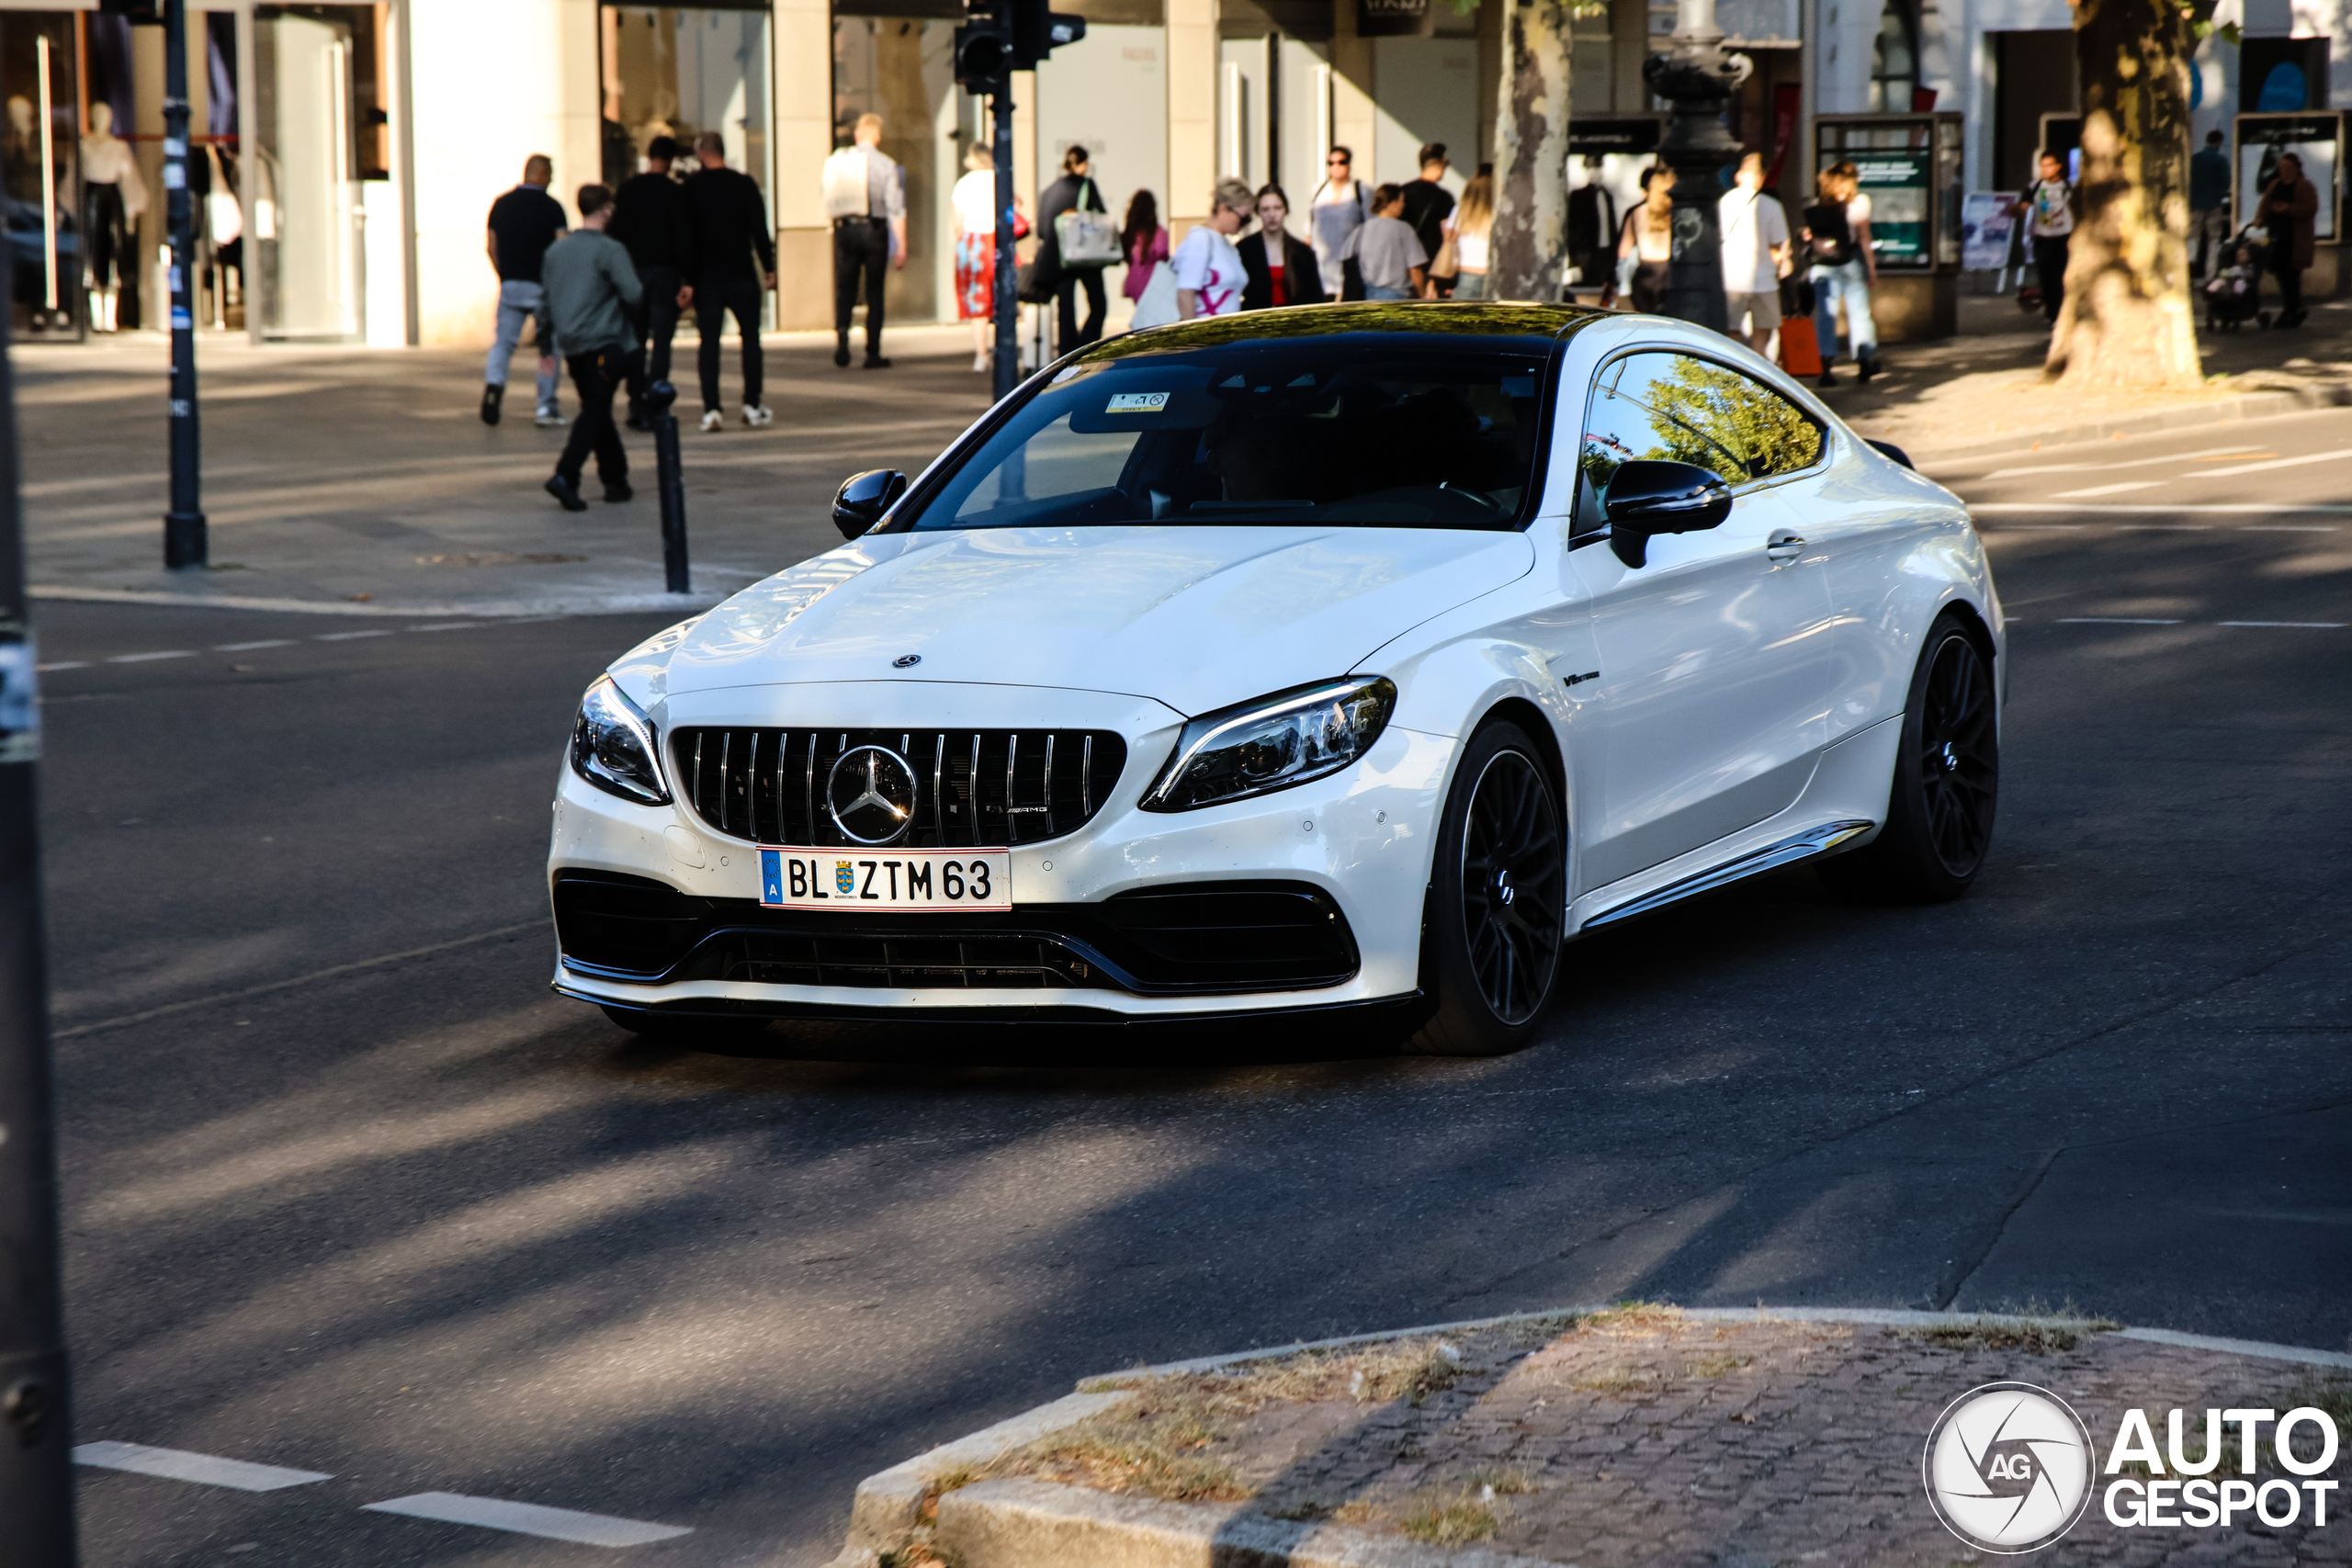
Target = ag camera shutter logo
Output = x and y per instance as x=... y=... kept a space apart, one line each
x=2007 y=1468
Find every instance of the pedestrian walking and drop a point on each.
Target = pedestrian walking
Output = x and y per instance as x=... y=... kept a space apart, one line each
x=1428 y=204
x=1280 y=268
x=1387 y=253
x=1208 y=269
x=1843 y=269
x=589 y=302
x=2289 y=208
x=1645 y=243
x=1335 y=211
x=734 y=252
x=2208 y=205
x=2049 y=211
x=523 y=224
x=649 y=219
x=1145 y=245
x=1755 y=230
x=974 y=201
x=865 y=197
x=1073 y=192
x=1471 y=229
x=1593 y=232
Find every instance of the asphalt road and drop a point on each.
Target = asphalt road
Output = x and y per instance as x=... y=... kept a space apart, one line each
x=349 y=1191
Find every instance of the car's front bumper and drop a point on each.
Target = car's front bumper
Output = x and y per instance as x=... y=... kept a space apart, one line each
x=1359 y=840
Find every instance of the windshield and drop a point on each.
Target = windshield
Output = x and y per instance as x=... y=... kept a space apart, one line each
x=1400 y=430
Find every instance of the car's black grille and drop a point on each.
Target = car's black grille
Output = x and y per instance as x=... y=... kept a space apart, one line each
x=1198 y=938
x=973 y=788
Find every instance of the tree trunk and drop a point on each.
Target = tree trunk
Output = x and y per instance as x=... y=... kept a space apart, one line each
x=1529 y=254
x=2127 y=320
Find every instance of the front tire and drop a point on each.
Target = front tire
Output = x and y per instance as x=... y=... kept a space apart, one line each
x=1498 y=900
x=1947 y=782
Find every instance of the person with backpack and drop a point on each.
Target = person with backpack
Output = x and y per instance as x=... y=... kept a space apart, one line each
x=1837 y=237
x=1339 y=207
x=1074 y=192
x=2049 y=211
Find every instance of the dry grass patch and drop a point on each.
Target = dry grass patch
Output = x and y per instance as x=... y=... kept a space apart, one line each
x=2039 y=1336
x=1454 y=1517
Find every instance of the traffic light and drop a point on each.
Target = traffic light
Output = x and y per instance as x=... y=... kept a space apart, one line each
x=1000 y=37
x=984 y=48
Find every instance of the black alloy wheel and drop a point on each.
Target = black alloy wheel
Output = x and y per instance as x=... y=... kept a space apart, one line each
x=1946 y=785
x=1498 y=901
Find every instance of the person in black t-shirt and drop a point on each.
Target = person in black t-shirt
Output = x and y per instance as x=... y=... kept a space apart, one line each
x=650 y=217
x=728 y=222
x=1428 y=204
x=523 y=224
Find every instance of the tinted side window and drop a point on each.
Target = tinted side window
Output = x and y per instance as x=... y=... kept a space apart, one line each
x=1765 y=432
x=1622 y=424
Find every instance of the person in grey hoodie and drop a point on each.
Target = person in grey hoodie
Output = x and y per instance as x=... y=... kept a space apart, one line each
x=589 y=293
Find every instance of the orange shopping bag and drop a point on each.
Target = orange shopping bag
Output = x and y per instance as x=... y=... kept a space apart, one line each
x=1800 y=350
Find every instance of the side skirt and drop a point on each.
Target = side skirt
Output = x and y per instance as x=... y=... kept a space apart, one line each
x=1800 y=846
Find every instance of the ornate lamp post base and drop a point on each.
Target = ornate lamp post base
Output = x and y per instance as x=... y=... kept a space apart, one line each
x=1698 y=77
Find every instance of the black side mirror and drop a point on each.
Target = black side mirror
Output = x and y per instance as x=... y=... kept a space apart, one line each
x=1890 y=450
x=863 y=498
x=1648 y=496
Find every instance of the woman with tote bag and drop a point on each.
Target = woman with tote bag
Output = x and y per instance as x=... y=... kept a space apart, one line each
x=1076 y=244
x=1151 y=283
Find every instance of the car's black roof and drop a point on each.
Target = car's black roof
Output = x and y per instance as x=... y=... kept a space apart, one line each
x=1525 y=325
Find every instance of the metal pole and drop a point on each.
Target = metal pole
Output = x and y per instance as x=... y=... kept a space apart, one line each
x=183 y=535
x=670 y=481
x=36 y=1479
x=1008 y=309
x=1698 y=75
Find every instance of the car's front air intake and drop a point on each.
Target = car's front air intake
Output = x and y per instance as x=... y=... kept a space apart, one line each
x=993 y=787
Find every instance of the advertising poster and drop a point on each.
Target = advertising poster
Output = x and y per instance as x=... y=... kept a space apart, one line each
x=1897 y=181
x=1986 y=225
x=2317 y=137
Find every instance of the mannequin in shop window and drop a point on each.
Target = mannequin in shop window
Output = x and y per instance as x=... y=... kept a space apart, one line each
x=112 y=199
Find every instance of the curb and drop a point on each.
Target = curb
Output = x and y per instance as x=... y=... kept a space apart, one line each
x=2249 y=406
x=493 y=610
x=1034 y=1524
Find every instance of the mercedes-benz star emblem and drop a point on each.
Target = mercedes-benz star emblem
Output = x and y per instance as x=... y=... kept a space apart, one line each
x=906 y=661
x=870 y=795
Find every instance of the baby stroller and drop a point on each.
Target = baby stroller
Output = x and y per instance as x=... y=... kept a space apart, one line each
x=2233 y=294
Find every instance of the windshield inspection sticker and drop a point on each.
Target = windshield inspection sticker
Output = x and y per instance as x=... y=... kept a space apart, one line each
x=1137 y=402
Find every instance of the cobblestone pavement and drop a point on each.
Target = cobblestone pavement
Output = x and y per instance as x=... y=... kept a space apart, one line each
x=1648 y=1439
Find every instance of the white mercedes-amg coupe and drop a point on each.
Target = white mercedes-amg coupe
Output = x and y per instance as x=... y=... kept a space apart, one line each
x=1330 y=658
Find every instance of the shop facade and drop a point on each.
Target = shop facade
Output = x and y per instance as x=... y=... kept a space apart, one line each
x=351 y=151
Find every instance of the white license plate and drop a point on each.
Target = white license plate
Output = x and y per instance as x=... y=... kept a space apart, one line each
x=897 y=880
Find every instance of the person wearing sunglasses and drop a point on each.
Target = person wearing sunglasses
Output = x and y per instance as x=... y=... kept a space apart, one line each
x=1338 y=208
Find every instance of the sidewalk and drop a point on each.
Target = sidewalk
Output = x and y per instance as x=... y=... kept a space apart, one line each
x=364 y=482
x=1640 y=1435
x=1984 y=389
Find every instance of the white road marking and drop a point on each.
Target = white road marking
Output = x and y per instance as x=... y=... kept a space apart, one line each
x=2111 y=621
x=205 y=1470
x=447 y=626
x=2105 y=467
x=62 y=664
x=528 y=1518
x=249 y=647
x=2337 y=456
x=347 y=636
x=2153 y=509
x=2107 y=490
x=143 y=658
x=2287 y=528
x=2309 y=626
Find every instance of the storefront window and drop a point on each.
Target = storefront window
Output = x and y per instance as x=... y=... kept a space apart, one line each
x=39 y=82
x=1894 y=60
x=679 y=71
x=317 y=132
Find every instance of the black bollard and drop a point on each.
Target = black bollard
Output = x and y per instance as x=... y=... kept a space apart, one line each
x=670 y=480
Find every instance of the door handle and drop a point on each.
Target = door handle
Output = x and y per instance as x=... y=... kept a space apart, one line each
x=1783 y=546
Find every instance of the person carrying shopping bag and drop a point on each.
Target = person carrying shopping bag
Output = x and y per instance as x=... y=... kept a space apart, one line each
x=1150 y=283
x=1075 y=243
x=1837 y=238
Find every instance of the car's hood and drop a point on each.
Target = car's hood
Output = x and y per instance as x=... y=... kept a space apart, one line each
x=1195 y=618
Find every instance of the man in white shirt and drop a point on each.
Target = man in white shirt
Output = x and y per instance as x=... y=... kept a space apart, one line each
x=1755 y=230
x=866 y=196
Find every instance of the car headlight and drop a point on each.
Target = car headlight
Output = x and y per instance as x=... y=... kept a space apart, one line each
x=1274 y=742
x=612 y=746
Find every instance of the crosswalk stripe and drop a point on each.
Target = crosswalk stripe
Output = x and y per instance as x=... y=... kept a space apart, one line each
x=528 y=1518
x=206 y=1470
